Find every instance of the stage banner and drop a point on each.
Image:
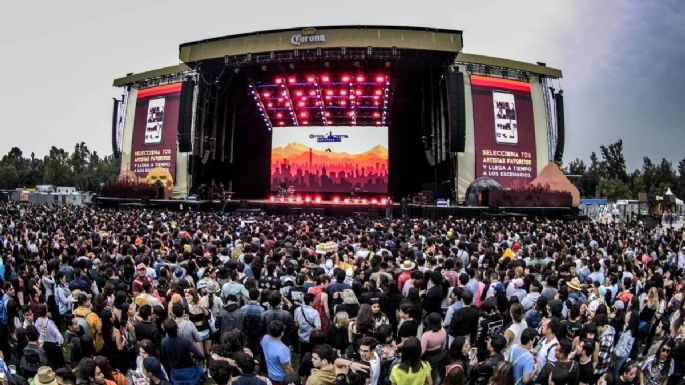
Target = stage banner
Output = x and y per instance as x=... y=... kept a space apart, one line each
x=330 y=159
x=153 y=147
x=504 y=131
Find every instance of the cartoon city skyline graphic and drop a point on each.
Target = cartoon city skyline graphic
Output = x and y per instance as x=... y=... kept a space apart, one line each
x=309 y=169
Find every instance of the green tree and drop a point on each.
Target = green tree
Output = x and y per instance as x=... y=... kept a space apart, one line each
x=78 y=162
x=57 y=171
x=613 y=189
x=613 y=161
x=9 y=178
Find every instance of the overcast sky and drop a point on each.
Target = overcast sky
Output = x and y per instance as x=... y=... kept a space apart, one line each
x=622 y=60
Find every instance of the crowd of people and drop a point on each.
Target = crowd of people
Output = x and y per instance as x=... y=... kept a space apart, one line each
x=142 y=296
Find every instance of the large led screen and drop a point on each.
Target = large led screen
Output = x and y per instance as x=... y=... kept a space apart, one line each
x=153 y=147
x=504 y=131
x=330 y=159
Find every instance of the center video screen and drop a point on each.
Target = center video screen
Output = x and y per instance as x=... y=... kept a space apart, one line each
x=330 y=159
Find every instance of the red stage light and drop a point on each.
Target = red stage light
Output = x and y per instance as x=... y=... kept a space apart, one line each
x=343 y=92
x=379 y=92
x=347 y=200
x=299 y=199
x=374 y=201
x=336 y=200
x=272 y=199
x=375 y=103
x=376 y=115
x=328 y=114
x=282 y=199
x=287 y=104
x=384 y=201
x=279 y=115
x=351 y=113
x=378 y=122
x=345 y=78
x=298 y=93
x=290 y=199
x=329 y=92
x=278 y=80
x=270 y=105
x=266 y=94
x=360 y=79
x=292 y=80
x=358 y=92
x=380 y=79
x=342 y=103
x=356 y=200
x=325 y=78
x=282 y=123
x=364 y=201
x=308 y=199
x=301 y=104
x=312 y=93
x=328 y=97
x=284 y=93
x=317 y=200
x=305 y=122
x=280 y=99
x=351 y=97
x=303 y=114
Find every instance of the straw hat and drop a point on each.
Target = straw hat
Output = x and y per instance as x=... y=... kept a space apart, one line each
x=574 y=283
x=45 y=376
x=407 y=265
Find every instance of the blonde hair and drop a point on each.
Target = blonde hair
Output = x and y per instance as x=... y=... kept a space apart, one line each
x=653 y=298
x=518 y=272
x=341 y=320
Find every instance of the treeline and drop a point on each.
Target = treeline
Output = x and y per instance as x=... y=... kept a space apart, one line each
x=82 y=168
x=606 y=176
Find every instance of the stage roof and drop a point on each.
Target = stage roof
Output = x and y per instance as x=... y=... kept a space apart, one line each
x=507 y=63
x=132 y=78
x=416 y=38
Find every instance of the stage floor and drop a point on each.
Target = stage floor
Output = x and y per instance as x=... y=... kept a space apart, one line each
x=342 y=208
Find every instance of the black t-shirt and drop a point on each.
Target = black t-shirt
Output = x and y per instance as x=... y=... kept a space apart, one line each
x=586 y=373
x=465 y=322
x=408 y=328
x=432 y=302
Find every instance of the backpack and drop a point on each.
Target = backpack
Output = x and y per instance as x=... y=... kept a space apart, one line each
x=87 y=331
x=253 y=325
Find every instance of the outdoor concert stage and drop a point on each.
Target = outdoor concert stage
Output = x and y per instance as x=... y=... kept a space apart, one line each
x=375 y=110
x=341 y=208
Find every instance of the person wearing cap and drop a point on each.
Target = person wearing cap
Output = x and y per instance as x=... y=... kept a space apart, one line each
x=407 y=266
x=45 y=376
x=141 y=277
x=152 y=369
x=575 y=294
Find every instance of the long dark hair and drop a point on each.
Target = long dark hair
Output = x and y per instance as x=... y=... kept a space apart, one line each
x=411 y=355
x=454 y=375
x=670 y=342
x=503 y=374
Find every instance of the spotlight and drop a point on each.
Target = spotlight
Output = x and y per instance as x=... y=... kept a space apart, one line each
x=317 y=200
x=272 y=199
x=336 y=200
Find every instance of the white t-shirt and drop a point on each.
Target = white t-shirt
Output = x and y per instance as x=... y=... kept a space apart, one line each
x=517 y=329
x=375 y=365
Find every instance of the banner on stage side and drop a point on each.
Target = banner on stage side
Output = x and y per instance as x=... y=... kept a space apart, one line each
x=153 y=148
x=504 y=131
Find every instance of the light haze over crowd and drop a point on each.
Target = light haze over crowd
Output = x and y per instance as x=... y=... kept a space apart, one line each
x=621 y=60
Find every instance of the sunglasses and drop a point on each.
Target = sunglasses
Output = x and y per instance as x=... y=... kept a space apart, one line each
x=666 y=350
